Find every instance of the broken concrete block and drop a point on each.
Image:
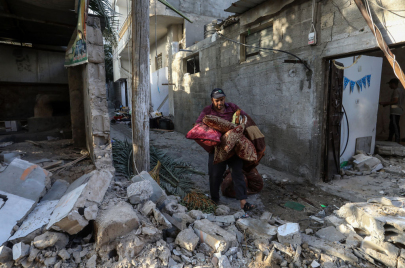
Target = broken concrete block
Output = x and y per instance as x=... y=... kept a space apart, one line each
x=33 y=253
x=161 y=219
x=173 y=207
x=223 y=262
x=158 y=195
x=330 y=234
x=289 y=233
x=384 y=252
x=257 y=228
x=6 y=254
x=50 y=261
x=273 y=258
x=148 y=207
x=261 y=244
x=32 y=225
x=139 y=192
x=91 y=263
x=115 y=221
x=213 y=235
x=389 y=148
x=86 y=191
x=49 y=239
x=196 y=214
x=266 y=216
x=332 y=220
x=183 y=218
x=233 y=230
x=315 y=264
x=330 y=248
x=187 y=239
x=389 y=201
x=149 y=230
x=14 y=210
x=239 y=214
x=58 y=189
x=20 y=250
x=222 y=210
x=90 y=213
x=25 y=179
x=365 y=163
x=224 y=219
x=64 y=254
x=360 y=219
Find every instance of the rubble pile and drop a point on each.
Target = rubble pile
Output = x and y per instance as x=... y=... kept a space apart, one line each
x=99 y=222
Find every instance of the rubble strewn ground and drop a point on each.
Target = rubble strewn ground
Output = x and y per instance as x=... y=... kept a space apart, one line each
x=101 y=220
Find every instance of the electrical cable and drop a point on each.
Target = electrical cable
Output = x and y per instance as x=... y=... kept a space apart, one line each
x=391 y=11
x=343 y=68
x=348 y=131
x=264 y=48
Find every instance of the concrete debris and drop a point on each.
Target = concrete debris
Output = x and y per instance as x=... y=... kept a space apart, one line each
x=315 y=264
x=173 y=207
x=366 y=163
x=148 y=207
x=161 y=219
x=187 y=239
x=20 y=250
x=223 y=219
x=183 y=218
x=332 y=220
x=257 y=228
x=49 y=239
x=115 y=221
x=213 y=235
x=289 y=233
x=330 y=234
x=139 y=192
x=222 y=210
x=86 y=191
x=223 y=262
x=266 y=216
x=196 y=214
x=6 y=254
x=389 y=148
x=64 y=254
x=158 y=195
x=90 y=213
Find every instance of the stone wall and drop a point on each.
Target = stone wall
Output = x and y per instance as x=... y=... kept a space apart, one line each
x=286 y=100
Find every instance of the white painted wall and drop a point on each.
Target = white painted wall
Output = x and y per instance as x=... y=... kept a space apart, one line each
x=361 y=106
x=122 y=86
x=158 y=95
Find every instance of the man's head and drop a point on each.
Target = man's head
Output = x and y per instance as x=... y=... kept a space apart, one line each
x=218 y=98
x=393 y=83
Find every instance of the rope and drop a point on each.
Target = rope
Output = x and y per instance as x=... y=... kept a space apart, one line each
x=383 y=48
x=344 y=68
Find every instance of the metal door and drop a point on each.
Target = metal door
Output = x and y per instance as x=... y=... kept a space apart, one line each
x=334 y=119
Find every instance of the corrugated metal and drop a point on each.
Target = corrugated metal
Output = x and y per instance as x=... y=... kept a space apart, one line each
x=242 y=6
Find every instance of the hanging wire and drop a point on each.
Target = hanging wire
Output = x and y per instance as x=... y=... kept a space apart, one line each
x=264 y=48
x=312 y=22
x=344 y=68
x=383 y=48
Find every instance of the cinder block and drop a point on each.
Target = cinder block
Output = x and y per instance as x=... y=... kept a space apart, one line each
x=95 y=53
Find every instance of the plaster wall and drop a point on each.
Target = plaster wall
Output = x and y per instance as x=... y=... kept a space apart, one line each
x=28 y=65
x=286 y=100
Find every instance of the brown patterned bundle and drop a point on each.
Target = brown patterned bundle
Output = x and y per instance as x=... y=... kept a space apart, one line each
x=218 y=123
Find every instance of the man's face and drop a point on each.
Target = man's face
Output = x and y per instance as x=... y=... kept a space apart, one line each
x=219 y=103
x=393 y=86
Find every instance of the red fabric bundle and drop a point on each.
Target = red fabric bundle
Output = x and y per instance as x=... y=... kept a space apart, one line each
x=218 y=123
x=205 y=136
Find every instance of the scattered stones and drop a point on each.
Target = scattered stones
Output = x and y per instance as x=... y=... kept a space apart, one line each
x=20 y=250
x=213 y=235
x=116 y=221
x=6 y=254
x=187 y=239
x=257 y=228
x=289 y=233
x=139 y=192
x=49 y=239
x=90 y=213
x=330 y=234
x=148 y=207
x=64 y=254
x=222 y=210
x=196 y=214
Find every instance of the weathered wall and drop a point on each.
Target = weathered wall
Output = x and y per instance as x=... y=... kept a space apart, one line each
x=285 y=100
x=95 y=99
x=29 y=65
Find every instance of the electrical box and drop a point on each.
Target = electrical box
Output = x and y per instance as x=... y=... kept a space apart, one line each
x=311 y=39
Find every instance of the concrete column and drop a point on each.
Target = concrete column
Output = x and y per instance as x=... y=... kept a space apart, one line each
x=76 y=105
x=95 y=98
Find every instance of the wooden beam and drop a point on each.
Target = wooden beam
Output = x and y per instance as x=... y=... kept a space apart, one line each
x=381 y=43
x=36 y=20
x=140 y=85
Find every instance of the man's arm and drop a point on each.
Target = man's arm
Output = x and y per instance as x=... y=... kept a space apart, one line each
x=202 y=114
x=385 y=103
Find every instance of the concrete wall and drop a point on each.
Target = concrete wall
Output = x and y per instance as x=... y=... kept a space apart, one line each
x=286 y=100
x=21 y=64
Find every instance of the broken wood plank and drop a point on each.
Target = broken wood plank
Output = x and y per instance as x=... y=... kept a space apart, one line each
x=52 y=165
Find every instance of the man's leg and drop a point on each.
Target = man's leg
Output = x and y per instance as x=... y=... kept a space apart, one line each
x=236 y=164
x=391 y=128
x=397 y=128
x=215 y=173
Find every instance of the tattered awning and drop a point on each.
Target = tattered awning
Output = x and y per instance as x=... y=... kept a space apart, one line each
x=266 y=8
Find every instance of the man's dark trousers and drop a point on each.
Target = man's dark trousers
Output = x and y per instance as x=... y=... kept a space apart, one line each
x=216 y=172
x=394 y=128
